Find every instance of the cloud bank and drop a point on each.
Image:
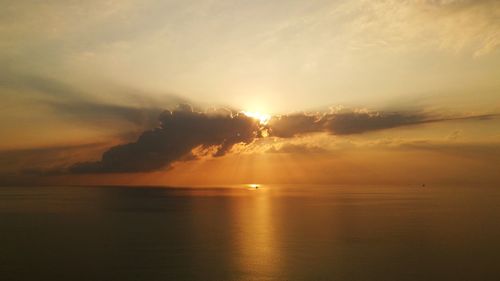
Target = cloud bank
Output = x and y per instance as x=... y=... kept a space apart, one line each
x=184 y=130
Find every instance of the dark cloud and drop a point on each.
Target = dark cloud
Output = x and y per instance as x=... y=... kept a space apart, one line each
x=180 y=131
x=349 y=123
x=288 y=126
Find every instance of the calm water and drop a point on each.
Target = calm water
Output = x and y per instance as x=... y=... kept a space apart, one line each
x=273 y=233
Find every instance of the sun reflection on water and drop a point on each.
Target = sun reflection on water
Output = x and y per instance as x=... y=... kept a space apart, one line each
x=256 y=239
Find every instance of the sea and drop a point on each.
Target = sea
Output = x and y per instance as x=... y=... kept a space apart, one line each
x=250 y=232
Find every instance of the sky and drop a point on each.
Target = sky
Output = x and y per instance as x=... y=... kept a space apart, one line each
x=159 y=92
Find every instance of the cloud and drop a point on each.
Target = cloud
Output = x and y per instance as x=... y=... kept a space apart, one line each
x=71 y=102
x=180 y=131
x=486 y=152
x=354 y=122
x=69 y=112
x=288 y=126
x=36 y=165
x=469 y=26
x=185 y=134
x=297 y=149
x=345 y=123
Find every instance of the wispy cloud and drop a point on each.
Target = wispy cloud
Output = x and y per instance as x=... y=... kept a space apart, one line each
x=293 y=148
x=457 y=25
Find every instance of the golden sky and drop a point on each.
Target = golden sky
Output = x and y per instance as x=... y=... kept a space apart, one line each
x=357 y=91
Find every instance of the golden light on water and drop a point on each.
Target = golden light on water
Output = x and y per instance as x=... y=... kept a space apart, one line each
x=256 y=238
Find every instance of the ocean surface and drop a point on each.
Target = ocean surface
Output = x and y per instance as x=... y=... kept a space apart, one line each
x=241 y=233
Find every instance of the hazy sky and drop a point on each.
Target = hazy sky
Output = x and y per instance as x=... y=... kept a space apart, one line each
x=93 y=74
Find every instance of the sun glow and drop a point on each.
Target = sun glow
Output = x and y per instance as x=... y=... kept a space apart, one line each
x=262 y=117
x=253 y=186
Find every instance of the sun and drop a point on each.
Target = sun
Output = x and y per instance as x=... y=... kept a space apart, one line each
x=262 y=117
